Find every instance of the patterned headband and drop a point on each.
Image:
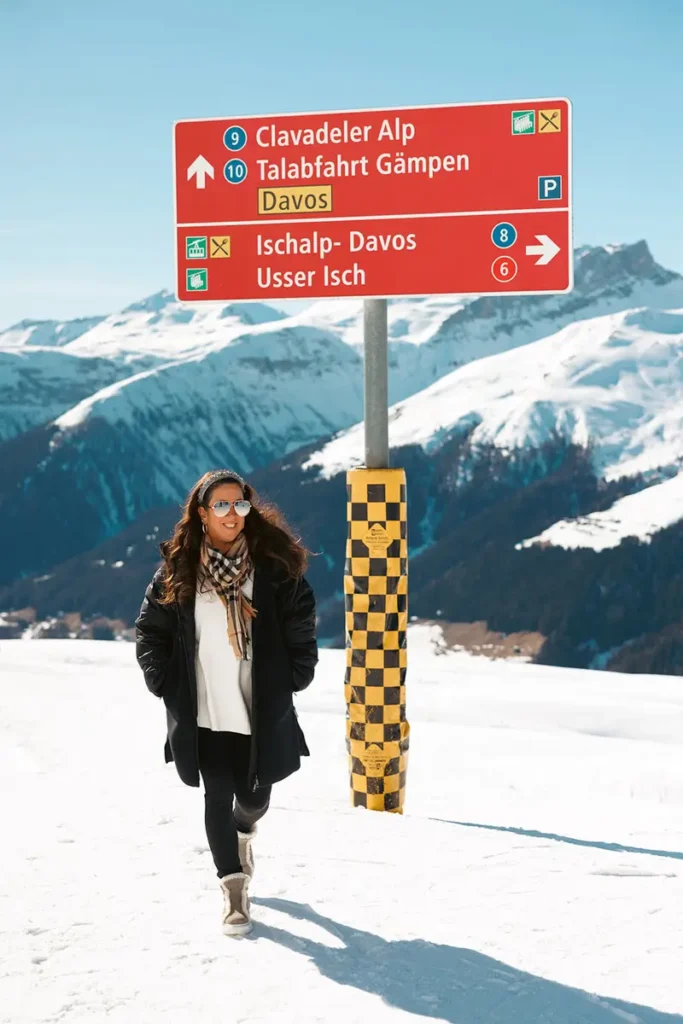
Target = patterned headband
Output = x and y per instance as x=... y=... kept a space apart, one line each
x=217 y=477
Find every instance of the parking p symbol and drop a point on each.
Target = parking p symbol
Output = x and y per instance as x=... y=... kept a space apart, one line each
x=550 y=187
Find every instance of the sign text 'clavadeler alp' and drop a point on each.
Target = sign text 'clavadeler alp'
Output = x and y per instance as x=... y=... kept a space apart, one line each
x=425 y=200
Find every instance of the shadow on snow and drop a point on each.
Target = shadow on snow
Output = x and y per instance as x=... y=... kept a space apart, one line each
x=592 y=844
x=457 y=985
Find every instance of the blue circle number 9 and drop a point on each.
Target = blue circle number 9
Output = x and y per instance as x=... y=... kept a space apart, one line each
x=235 y=171
x=504 y=235
x=235 y=138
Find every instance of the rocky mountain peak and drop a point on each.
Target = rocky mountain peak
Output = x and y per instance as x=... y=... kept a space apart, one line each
x=596 y=267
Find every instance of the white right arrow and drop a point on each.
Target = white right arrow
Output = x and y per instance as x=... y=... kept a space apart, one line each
x=546 y=251
x=200 y=167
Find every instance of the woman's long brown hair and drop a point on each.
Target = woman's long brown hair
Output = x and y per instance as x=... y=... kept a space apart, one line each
x=265 y=528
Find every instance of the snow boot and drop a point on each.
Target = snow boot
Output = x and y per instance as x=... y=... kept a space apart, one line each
x=246 y=851
x=236 y=913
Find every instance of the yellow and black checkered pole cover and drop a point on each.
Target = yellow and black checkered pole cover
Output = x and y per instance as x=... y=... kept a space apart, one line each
x=376 y=601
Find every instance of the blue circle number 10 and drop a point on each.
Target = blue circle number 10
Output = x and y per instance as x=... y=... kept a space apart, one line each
x=235 y=171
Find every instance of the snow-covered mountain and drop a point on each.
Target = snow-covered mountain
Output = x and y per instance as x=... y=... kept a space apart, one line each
x=142 y=442
x=127 y=414
x=614 y=382
x=156 y=326
x=159 y=329
x=257 y=396
x=639 y=515
x=39 y=384
x=431 y=337
x=47 y=368
x=46 y=333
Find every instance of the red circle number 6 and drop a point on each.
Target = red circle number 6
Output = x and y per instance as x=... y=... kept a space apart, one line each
x=504 y=269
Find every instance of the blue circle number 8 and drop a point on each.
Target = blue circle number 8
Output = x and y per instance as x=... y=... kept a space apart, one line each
x=235 y=138
x=504 y=235
x=235 y=171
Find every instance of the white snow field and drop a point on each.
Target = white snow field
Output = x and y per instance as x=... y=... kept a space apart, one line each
x=535 y=878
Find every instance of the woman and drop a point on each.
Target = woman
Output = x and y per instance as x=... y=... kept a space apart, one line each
x=225 y=636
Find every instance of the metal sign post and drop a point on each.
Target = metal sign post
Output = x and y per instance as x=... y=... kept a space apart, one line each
x=375 y=339
x=376 y=596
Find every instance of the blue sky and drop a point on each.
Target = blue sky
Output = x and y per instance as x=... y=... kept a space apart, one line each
x=90 y=91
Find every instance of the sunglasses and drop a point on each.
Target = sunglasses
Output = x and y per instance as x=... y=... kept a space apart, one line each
x=221 y=508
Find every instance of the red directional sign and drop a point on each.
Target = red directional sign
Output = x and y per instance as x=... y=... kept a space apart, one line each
x=422 y=200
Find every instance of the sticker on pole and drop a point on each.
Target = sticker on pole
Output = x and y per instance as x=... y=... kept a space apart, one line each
x=374 y=759
x=377 y=540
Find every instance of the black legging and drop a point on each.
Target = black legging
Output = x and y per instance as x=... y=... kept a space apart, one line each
x=229 y=803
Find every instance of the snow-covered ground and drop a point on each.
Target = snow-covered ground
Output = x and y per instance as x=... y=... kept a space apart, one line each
x=638 y=515
x=536 y=877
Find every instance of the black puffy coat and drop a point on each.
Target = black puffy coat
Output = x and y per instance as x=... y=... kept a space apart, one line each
x=284 y=653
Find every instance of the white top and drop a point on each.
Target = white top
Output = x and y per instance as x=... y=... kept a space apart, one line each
x=223 y=681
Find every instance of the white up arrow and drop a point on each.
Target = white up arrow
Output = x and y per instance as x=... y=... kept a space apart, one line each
x=200 y=167
x=546 y=251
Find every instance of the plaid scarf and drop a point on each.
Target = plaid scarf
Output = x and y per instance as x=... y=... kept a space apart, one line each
x=227 y=574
